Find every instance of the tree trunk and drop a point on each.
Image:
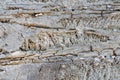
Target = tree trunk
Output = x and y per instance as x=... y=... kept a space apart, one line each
x=59 y=40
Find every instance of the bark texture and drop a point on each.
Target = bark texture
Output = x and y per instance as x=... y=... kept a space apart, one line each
x=59 y=40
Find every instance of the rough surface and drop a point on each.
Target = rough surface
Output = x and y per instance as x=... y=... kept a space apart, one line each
x=59 y=40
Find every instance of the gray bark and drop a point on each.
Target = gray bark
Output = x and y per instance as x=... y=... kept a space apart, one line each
x=59 y=40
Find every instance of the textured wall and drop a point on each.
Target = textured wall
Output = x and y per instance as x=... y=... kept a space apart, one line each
x=59 y=40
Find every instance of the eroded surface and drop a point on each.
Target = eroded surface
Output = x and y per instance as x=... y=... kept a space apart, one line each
x=59 y=40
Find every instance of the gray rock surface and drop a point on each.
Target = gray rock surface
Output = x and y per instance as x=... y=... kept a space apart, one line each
x=59 y=40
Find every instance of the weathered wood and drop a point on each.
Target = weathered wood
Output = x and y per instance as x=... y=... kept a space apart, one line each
x=59 y=40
